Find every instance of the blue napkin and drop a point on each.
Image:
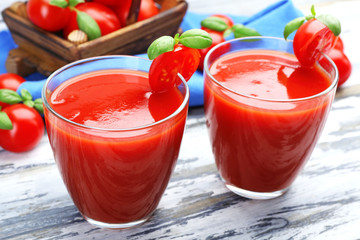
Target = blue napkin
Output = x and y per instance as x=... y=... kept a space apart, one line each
x=268 y=22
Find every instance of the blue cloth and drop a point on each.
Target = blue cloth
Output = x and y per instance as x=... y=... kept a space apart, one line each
x=268 y=22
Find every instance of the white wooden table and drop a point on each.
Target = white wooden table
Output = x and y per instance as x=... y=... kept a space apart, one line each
x=323 y=203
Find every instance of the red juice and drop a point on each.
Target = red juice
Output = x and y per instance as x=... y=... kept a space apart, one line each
x=115 y=176
x=263 y=123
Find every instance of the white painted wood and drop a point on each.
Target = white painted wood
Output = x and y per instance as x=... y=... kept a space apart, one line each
x=323 y=203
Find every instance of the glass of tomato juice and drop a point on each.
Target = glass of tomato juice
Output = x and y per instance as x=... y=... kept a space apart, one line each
x=115 y=142
x=264 y=112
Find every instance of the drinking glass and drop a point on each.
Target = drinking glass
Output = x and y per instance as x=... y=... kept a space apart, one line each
x=261 y=144
x=115 y=177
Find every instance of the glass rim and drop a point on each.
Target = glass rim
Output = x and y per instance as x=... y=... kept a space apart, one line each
x=214 y=80
x=81 y=61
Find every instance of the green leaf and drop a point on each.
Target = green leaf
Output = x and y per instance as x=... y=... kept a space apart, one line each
x=88 y=25
x=159 y=46
x=73 y=3
x=331 y=22
x=313 y=10
x=25 y=94
x=214 y=23
x=243 y=31
x=38 y=105
x=59 y=3
x=177 y=38
x=29 y=103
x=227 y=32
x=292 y=26
x=196 y=38
x=5 y=122
x=9 y=96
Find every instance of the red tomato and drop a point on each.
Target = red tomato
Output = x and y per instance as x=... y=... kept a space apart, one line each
x=28 y=129
x=164 y=68
x=147 y=9
x=112 y=2
x=342 y=63
x=10 y=81
x=103 y=15
x=339 y=44
x=217 y=38
x=48 y=17
x=312 y=39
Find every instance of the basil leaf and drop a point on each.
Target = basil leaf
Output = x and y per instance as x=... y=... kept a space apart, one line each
x=59 y=3
x=73 y=3
x=38 y=105
x=196 y=38
x=5 y=122
x=25 y=94
x=243 y=31
x=313 y=10
x=227 y=32
x=214 y=23
x=331 y=22
x=29 y=103
x=159 y=46
x=292 y=26
x=88 y=25
x=9 y=96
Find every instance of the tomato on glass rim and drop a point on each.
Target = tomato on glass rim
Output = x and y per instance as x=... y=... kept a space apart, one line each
x=175 y=55
x=314 y=37
x=164 y=69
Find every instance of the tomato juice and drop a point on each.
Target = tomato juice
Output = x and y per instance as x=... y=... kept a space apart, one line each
x=115 y=143
x=264 y=115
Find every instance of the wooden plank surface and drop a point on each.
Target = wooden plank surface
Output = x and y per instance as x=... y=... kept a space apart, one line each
x=323 y=203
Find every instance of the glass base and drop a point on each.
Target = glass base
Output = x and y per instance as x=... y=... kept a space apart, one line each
x=255 y=195
x=115 y=225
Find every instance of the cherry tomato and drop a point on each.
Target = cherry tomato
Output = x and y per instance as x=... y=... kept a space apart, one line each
x=28 y=129
x=147 y=9
x=217 y=38
x=103 y=15
x=312 y=39
x=342 y=63
x=48 y=17
x=164 y=68
x=10 y=81
x=112 y=2
x=339 y=44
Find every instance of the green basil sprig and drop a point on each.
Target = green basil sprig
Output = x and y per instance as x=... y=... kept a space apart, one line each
x=11 y=97
x=330 y=21
x=194 y=38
